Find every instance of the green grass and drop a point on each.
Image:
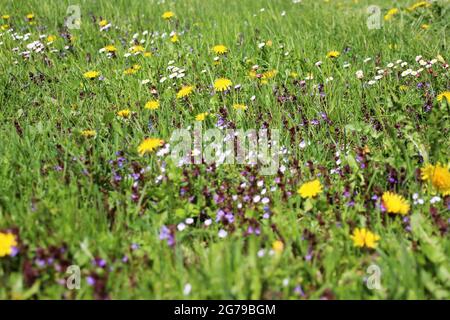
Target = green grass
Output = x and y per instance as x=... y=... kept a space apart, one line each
x=57 y=188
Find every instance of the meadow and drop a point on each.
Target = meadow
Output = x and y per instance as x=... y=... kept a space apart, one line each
x=93 y=206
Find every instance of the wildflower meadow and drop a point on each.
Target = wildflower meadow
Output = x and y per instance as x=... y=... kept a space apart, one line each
x=224 y=149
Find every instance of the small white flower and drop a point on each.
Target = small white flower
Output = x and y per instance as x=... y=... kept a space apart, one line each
x=435 y=199
x=181 y=226
x=302 y=144
x=189 y=221
x=222 y=233
x=187 y=289
x=359 y=74
x=208 y=222
x=406 y=72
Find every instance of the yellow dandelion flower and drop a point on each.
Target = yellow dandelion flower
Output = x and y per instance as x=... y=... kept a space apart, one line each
x=185 y=91
x=239 y=106
x=152 y=105
x=88 y=133
x=359 y=237
x=438 y=176
x=252 y=74
x=130 y=71
x=444 y=95
x=137 y=49
x=168 y=15
x=222 y=84
x=125 y=113
x=147 y=54
x=371 y=240
x=394 y=203
x=133 y=69
x=201 y=116
x=30 y=16
x=103 y=23
x=362 y=237
x=51 y=38
x=220 y=49
x=269 y=74
x=110 y=48
x=392 y=12
x=6 y=17
x=91 y=74
x=149 y=145
x=333 y=54
x=174 y=38
x=5 y=27
x=419 y=4
x=310 y=189
x=278 y=246
x=7 y=244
